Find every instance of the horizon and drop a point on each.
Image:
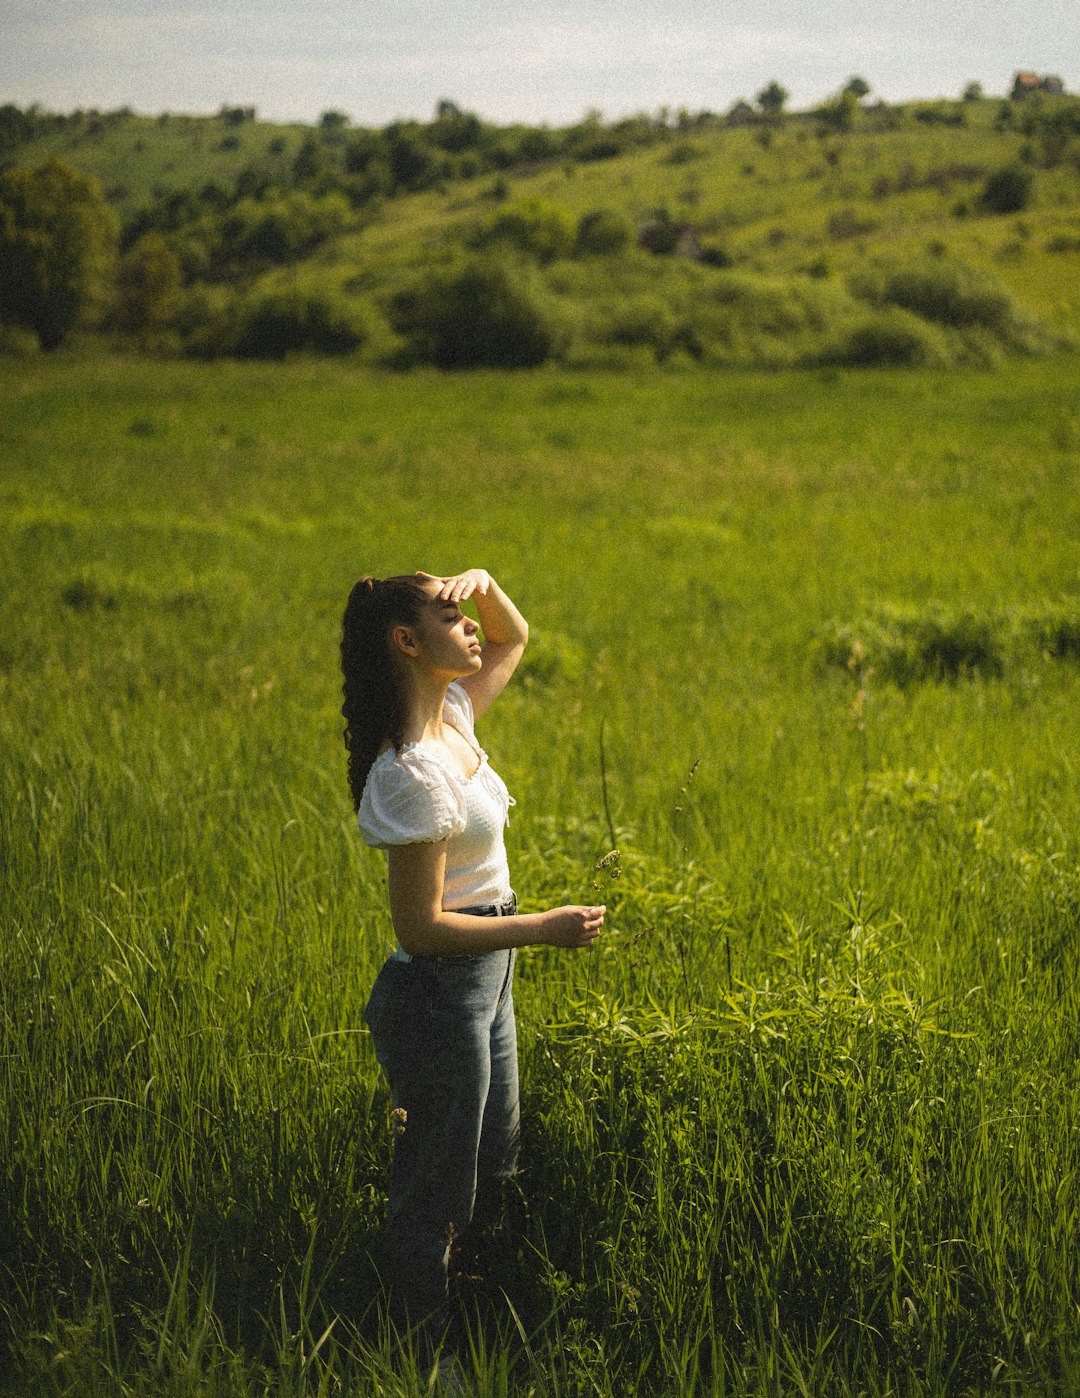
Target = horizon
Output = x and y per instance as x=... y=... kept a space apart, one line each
x=377 y=61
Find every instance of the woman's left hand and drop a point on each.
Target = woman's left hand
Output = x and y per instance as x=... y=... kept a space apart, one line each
x=461 y=586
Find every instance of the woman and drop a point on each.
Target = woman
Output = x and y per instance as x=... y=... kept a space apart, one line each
x=441 y=1010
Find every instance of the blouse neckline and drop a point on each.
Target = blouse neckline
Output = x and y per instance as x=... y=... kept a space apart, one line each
x=444 y=762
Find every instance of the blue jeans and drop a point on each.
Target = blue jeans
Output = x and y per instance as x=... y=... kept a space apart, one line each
x=444 y=1032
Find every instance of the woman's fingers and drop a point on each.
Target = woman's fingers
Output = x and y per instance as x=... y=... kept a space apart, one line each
x=460 y=586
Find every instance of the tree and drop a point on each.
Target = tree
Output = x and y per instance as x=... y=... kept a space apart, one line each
x=148 y=287
x=309 y=161
x=973 y=92
x=858 y=87
x=412 y=163
x=1008 y=191
x=839 y=114
x=57 y=243
x=454 y=130
x=771 y=99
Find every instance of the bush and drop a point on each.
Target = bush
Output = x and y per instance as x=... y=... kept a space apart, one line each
x=1008 y=191
x=270 y=326
x=741 y=318
x=848 y=223
x=895 y=337
x=946 y=292
x=534 y=227
x=474 y=315
x=640 y=321
x=659 y=234
x=938 y=642
x=907 y=644
x=283 y=322
x=276 y=230
x=602 y=232
x=1056 y=629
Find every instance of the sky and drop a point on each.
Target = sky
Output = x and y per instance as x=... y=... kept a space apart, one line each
x=543 y=61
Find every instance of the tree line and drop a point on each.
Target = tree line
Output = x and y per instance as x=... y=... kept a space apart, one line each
x=66 y=258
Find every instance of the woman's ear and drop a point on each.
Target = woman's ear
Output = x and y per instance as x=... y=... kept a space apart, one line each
x=403 y=639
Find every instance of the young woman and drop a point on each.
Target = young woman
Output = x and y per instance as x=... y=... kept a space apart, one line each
x=441 y=1011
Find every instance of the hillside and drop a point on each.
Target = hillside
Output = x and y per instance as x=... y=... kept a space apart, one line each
x=745 y=239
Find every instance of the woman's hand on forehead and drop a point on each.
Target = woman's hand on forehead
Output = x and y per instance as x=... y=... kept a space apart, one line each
x=458 y=587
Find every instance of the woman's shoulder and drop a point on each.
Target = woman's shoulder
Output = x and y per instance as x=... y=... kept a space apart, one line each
x=409 y=797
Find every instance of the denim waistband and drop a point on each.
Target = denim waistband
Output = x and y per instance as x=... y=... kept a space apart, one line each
x=507 y=909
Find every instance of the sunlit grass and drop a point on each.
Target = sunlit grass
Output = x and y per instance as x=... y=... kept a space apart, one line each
x=805 y=1121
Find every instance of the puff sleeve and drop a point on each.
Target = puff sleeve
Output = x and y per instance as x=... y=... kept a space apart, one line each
x=409 y=799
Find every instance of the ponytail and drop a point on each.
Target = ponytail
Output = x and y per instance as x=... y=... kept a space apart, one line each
x=374 y=700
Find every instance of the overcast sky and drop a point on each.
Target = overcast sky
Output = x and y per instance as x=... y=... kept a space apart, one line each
x=548 y=60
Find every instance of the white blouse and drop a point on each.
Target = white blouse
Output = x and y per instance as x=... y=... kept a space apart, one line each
x=416 y=797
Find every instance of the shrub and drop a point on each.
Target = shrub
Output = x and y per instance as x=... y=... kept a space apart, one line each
x=602 y=231
x=741 y=318
x=279 y=229
x=640 y=321
x=1008 y=191
x=534 y=227
x=476 y=314
x=949 y=293
x=282 y=322
x=894 y=336
x=848 y=223
x=683 y=152
x=1055 y=629
x=907 y=644
x=660 y=234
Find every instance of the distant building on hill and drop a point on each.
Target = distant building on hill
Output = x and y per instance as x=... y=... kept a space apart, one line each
x=1026 y=83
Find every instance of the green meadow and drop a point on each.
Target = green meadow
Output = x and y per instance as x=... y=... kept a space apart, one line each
x=800 y=706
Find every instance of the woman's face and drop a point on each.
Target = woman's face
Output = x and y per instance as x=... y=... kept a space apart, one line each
x=446 y=638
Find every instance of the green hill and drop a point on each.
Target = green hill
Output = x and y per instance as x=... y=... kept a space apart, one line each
x=850 y=234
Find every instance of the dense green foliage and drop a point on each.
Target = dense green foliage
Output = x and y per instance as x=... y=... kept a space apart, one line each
x=474 y=315
x=805 y=651
x=57 y=238
x=625 y=221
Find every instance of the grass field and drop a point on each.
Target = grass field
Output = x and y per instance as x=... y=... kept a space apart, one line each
x=806 y=652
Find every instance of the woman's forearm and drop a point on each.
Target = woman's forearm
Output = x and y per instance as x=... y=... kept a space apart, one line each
x=466 y=934
x=502 y=622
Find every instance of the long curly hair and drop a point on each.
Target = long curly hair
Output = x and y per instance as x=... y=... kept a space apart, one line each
x=374 y=701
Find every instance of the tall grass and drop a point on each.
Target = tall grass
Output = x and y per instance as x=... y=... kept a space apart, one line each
x=804 y=1121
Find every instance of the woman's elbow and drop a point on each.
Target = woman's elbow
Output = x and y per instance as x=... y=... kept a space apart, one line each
x=415 y=935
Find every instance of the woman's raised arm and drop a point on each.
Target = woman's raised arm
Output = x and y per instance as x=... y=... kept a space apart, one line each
x=506 y=633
